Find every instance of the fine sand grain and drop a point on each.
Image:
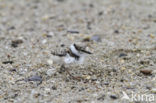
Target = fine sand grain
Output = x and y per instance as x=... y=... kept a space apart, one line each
x=120 y=34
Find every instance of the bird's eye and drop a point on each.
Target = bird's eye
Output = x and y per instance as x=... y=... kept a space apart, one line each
x=74 y=45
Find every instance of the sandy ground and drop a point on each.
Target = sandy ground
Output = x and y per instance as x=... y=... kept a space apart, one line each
x=123 y=59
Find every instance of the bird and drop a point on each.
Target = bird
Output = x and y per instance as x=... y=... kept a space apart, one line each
x=76 y=54
x=73 y=54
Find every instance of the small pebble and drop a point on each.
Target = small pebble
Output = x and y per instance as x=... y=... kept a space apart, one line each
x=62 y=45
x=73 y=31
x=152 y=36
x=23 y=71
x=45 y=17
x=50 y=72
x=113 y=96
x=96 y=38
x=91 y=5
x=7 y=62
x=54 y=87
x=101 y=98
x=81 y=89
x=50 y=34
x=15 y=43
x=106 y=83
x=86 y=77
x=146 y=72
x=44 y=41
x=123 y=68
x=50 y=62
x=73 y=87
x=100 y=13
x=116 y=31
x=13 y=70
x=47 y=90
x=122 y=55
x=148 y=87
x=11 y=28
x=143 y=62
x=35 y=78
x=122 y=61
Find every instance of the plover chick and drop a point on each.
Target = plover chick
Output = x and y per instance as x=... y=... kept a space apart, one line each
x=75 y=54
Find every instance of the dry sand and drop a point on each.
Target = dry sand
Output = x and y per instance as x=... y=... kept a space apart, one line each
x=123 y=59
